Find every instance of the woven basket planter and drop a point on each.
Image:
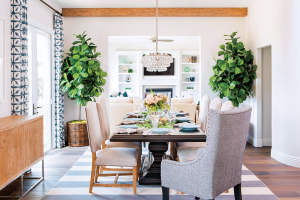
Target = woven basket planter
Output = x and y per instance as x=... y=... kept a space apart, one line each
x=77 y=135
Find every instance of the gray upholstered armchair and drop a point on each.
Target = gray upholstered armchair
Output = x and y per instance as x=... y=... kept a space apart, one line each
x=218 y=166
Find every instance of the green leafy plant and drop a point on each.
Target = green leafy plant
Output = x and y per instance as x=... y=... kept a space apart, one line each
x=234 y=74
x=130 y=70
x=82 y=76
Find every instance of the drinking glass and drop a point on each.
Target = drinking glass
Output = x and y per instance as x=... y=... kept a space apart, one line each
x=155 y=120
x=136 y=109
x=173 y=109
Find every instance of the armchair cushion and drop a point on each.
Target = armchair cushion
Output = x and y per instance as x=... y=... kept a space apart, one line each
x=135 y=145
x=188 y=154
x=126 y=157
x=183 y=145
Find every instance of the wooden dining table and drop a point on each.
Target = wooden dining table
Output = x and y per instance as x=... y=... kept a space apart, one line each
x=158 y=146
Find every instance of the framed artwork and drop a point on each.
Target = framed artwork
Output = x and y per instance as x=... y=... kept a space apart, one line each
x=125 y=69
x=2 y=23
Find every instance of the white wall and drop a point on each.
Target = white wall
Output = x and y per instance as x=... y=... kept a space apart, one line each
x=276 y=23
x=36 y=11
x=99 y=29
x=5 y=14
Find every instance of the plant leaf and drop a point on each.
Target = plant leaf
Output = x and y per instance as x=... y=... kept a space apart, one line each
x=223 y=85
x=76 y=76
x=240 y=46
x=240 y=62
x=222 y=46
x=76 y=57
x=246 y=80
x=232 y=85
x=237 y=70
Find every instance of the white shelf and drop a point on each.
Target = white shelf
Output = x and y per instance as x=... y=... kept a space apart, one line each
x=191 y=82
x=128 y=73
x=127 y=64
x=189 y=72
x=127 y=83
x=190 y=63
x=190 y=92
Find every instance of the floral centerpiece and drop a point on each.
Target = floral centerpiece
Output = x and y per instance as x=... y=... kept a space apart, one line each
x=156 y=102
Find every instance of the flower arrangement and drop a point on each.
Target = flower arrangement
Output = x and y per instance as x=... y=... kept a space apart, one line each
x=155 y=102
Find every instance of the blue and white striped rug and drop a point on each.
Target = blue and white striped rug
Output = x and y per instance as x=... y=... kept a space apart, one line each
x=75 y=185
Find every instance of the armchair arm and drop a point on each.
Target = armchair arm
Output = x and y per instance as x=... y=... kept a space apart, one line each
x=176 y=175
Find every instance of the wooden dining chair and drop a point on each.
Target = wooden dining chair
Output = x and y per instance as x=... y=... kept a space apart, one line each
x=210 y=171
x=227 y=105
x=216 y=104
x=204 y=106
x=121 y=157
x=106 y=132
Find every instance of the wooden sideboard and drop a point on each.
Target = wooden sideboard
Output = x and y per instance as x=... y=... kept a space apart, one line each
x=21 y=145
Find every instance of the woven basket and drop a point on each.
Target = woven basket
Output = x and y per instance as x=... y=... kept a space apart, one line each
x=77 y=135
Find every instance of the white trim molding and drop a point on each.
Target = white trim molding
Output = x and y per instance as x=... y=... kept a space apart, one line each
x=254 y=141
x=285 y=159
x=267 y=142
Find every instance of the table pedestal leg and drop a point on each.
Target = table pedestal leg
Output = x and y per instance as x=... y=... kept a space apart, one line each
x=157 y=149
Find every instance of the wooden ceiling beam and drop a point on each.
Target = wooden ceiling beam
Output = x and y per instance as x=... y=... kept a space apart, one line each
x=150 y=12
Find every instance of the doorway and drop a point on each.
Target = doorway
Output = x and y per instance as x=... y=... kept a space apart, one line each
x=266 y=58
x=39 y=76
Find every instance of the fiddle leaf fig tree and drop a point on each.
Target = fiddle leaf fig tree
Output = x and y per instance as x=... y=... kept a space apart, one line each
x=82 y=79
x=234 y=74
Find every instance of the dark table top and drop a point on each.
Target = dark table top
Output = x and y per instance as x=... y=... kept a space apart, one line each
x=175 y=136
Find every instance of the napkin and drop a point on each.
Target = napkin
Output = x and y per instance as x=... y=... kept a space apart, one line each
x=128 y=130
x=130 y=123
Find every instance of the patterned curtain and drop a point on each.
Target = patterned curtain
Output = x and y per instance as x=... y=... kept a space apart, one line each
x=19 y=58
x=59 y=95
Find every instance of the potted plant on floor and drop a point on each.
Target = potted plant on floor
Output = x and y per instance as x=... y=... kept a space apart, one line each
x=83 y=81
x=234 y=74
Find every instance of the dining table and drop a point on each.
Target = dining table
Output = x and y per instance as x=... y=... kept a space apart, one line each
x=158 y=146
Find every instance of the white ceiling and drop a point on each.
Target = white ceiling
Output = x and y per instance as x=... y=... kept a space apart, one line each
x=151 y=3
x=144 y=39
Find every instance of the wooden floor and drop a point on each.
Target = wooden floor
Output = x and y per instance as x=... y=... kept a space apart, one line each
x=283 y=180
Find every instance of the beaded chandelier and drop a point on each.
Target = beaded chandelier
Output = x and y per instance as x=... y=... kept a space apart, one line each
x=157 y=62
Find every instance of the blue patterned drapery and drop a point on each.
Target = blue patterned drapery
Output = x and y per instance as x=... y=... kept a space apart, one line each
x=59 y=95
x=19 y=58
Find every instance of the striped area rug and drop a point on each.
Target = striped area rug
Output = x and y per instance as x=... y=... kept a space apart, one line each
x=75 y=185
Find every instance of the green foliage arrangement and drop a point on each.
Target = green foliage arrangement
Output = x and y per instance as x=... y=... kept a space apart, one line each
x=130 y=70
x=163 y=124
x=82 y=79
x=234 y=75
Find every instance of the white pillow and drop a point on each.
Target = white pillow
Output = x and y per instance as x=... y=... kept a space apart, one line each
x=185 y=100
x=121 y=100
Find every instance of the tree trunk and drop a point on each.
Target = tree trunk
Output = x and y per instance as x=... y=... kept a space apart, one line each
x=79 y=112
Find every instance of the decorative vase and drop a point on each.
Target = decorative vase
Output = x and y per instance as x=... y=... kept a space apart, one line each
x=187 y=69
x=188 y=59
x=128 y=78
x=192 y=79
x=194 y=59
x=124 y=60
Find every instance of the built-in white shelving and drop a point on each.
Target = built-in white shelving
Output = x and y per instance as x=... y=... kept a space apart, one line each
x=180 y=82
x=193 y=71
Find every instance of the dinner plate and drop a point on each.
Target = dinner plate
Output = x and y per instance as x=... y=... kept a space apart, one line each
x=189 y=127
x=159 y=130
x=183 y=119
x=180 y=114
x=135 y=119
x=129 y=126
